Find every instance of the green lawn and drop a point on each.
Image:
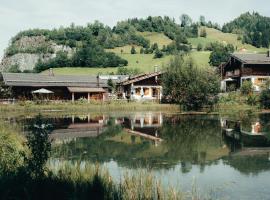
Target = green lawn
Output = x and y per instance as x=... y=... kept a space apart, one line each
x=158 y=38
x=146 y=62
x=225 y=38
x=201 y=58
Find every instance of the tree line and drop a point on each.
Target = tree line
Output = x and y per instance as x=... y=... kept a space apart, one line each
x=254 y=28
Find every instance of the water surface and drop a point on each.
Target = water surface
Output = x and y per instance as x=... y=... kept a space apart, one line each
x=225 y=158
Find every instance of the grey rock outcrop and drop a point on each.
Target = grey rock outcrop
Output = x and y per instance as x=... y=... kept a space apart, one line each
x=27 y=58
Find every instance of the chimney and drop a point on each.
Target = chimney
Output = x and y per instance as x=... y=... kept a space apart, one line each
x=156 y=68
x=98 y=81
x=268 y=53
x=51 y=72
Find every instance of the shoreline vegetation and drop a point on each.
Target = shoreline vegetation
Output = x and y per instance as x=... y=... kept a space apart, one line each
x=72 y=181
x=124 y=106
x=93 y=106
x=19 y=180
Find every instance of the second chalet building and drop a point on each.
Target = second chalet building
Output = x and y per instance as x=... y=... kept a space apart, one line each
x=68 y=87
x=242 y=67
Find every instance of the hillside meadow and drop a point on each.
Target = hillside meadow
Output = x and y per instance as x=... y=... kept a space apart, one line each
x=146 y=62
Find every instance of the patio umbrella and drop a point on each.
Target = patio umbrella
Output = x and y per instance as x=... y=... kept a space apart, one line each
x=42 y=91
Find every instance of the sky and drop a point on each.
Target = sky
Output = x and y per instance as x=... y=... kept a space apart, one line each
x=18 y=15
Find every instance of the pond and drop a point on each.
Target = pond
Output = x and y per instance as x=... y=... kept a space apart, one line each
x=223 y=157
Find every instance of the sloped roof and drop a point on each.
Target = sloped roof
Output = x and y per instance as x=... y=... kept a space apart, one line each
x=42 y=80
x=85 y=89
x=249 y=58
x=140 y=77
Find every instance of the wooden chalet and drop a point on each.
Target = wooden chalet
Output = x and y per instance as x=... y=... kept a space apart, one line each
x=63 y=87
x=241 y=67
x=142 y=87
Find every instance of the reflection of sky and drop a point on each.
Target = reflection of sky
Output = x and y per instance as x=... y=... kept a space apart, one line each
x=218 y=179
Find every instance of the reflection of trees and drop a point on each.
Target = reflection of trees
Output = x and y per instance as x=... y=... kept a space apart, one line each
x=38 y=143
x=249 y=164
x=190 y=140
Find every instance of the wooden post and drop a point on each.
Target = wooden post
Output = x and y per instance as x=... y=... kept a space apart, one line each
x=88 y=97
x=73 y=98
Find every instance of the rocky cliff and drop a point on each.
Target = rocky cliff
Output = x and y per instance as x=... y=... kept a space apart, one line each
x=27 y=51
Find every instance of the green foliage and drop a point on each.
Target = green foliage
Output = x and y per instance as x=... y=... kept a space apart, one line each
x=199 y=47
x=127 y=71
x=202 y=20
x=246 y=88
x=87 y=56
x=220 y=53
x=14 y=69
x=39 y=145
x=158 y=54
x=12 y=151
x=191 y=87
x=133 y=50
x=264 y=99
x=185 y=20
x=111 y=85
x=256 y=29
x=252 y=99
x=5 y=91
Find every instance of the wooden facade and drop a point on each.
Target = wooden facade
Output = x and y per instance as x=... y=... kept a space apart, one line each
x=142 y=87
x=242 y=67
x=62 y=87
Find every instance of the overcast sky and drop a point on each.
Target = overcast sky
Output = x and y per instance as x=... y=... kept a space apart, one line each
x=17 y=15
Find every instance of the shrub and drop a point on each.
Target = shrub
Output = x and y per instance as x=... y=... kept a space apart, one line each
x=133 y=50
x=199 y=47
x=264 y=99
x=246 y=88
x=158 y=54
x=252 y=99
x=191 y=87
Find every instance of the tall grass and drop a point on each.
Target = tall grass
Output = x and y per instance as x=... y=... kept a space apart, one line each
x=12 y=149
x=93 y=106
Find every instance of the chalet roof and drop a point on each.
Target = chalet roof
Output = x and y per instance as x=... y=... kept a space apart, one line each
x=85 y=89
x=42 y=80
x=250 y=58
x=140 y=77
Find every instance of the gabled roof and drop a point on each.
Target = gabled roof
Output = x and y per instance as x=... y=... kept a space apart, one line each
x=140 y=77
x=250 y=58
x=42 y=80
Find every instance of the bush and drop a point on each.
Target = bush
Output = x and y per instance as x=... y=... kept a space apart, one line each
x=264 y=99
x=246 y=88
x=252 y=99
x=158 y=54
x=199 y=47
x=220 y=53
x=191 y=87
x=133 y=50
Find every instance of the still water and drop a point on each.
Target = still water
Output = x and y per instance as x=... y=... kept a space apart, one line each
x=224 y=158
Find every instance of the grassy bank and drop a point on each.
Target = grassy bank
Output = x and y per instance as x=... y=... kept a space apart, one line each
x=84 y=107
x=92 y=182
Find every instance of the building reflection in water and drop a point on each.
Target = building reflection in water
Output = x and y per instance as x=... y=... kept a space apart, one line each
x=245 y=139
x=79 y=127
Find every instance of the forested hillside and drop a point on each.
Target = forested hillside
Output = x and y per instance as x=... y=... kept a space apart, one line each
x=254 y=28
x=88 y=43
x=139 y=44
